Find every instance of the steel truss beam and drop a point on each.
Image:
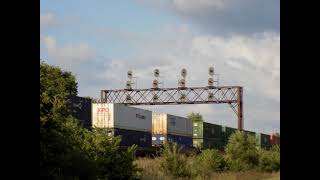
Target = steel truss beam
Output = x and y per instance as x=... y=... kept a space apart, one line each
x=231 y=95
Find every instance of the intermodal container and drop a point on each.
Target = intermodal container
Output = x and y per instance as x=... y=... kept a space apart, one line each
x=228 y=131
x=198 y=130
x=81 y=109
x=163 y=123
x=204 y=143
x=263 y=140
x=161 y=139
x=250 y=133
x=214 y=144
x=120 y=116
x=207 y=130
x=197 y=142
x=131 y=137
x=275 y=139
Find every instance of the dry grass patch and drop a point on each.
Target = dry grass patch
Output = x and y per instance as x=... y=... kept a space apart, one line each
x=152 y=170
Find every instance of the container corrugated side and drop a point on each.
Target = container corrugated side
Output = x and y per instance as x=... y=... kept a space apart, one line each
x=212 y=130
x=205 y=143
x=274 y=140
x=161 y=139
x=159 y=123
x=213 y=144
x=163 y=123
x=81 y=109
x=179 y=125
x=131 y=118
x=131 y=137
x=121 y=116
x=189 y=127
x=185 y=141
x=263 y=140
x=102 y=115
x=197 y=129
x=228 y=131
x=250 y=133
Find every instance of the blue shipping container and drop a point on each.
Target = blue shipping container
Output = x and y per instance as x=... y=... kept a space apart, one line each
x=160 y=139
x=81 y=109
x=130 y=137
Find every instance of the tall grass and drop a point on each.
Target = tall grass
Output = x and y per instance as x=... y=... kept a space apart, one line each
x=152 y=170
x=242 y=160
x=174 y=162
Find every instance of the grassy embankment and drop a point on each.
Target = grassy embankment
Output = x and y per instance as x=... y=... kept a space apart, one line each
x=152 y=170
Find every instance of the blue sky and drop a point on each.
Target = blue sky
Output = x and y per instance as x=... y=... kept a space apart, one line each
x=100 y=40
x=81 y=21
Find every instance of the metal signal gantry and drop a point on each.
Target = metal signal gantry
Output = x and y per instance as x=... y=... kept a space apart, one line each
x=232 y=95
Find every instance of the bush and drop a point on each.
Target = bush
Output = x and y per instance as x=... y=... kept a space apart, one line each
x=174 y=162
x=269 y=160
x=241 y=152
x=111 y=163
x=67 y=150
x=209 y=160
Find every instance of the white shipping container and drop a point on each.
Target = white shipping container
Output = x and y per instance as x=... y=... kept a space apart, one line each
x=163 y=123
x=120 y=116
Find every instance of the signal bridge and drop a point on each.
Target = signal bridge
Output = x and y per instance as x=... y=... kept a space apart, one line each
x=232 y=95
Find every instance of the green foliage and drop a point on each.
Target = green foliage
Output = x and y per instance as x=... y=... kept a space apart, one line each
x=61 y=154
x=210 y=160
x=174 y=162
x=195 y=117
x=241 y=152
x=67 y=150
x=55 y=86
x=111 y=163
x=269 y=160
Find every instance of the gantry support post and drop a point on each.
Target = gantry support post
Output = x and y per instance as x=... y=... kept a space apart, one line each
x=240 y=108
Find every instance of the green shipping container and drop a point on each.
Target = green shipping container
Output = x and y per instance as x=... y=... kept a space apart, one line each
x=204 y=143
x=198 y=130
x=263 y=140
x=250 y=133
x=207 y=130
x=228 y=131
x=198 y=143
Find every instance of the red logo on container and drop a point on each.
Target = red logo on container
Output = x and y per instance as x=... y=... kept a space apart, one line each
x=103 y=110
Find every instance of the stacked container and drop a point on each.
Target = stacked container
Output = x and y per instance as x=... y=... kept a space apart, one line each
x=175 y=129
x=228 y=131
x=275 y=139
x=250 y=133
x=132 y=124
x=263 y=140
x=81 y=109
x=207 y=135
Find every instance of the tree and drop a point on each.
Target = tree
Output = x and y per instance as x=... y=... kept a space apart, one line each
x=55 y=87
x=210 y=160
x=195 y=117
x=269 y=160
x=67 y=150
x=241 y=151
x=60 y=134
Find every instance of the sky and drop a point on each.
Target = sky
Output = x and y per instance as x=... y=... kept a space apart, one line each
x=99 y=41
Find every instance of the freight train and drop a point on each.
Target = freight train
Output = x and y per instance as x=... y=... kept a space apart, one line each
x=175 y=129
x=149 y=129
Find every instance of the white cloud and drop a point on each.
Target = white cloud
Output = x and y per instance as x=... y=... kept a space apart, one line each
x=250 y=61
x=48 y=20
x=198 y=5
x=261 y=51
x=224 y=16
x=69 y=54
